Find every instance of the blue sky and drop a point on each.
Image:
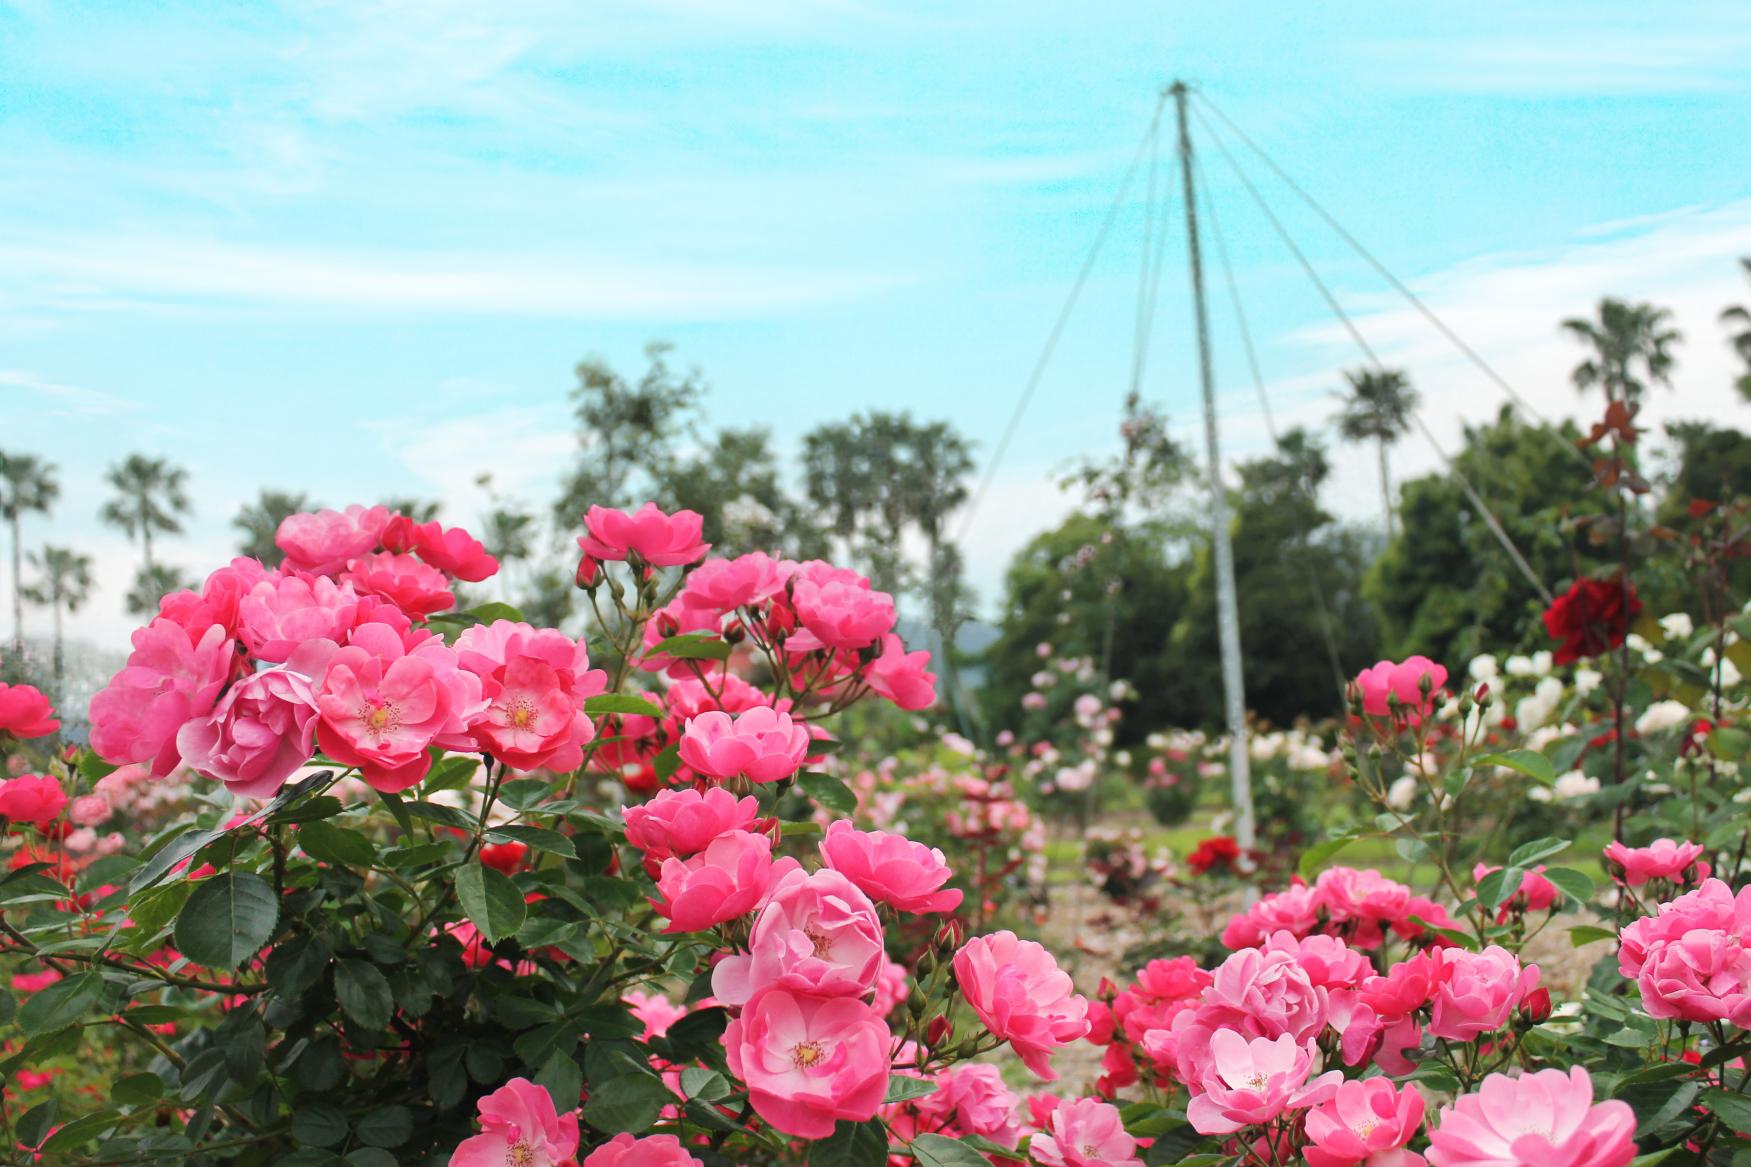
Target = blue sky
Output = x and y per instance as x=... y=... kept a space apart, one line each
x=356 y=248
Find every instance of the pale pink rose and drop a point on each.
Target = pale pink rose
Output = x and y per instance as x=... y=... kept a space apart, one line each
x=1544 y=1119
x=891 y=869
x=1692 y=960
x=727 y=879
x=816 y=933
x=903 y=677
x=839 y=615
x=723 y=585
x=519 y=1125
x=1327 y=960
x=1365 y=1123
x=760 y=744
x=1478 y=992
x=382 y=705
x=31 y=798
x=91 y=810
x=324 y=542
x=535 y=683
x=1022 y=996
x=277 y=615
x=973 y=1099
x=1250 y=1083
x=263 y=729
x=1661 y=859
x=417 y=588
x=649 y=535
x=1404 y=682
x=625 y=1150
x=168 y=680
x=809 y=1061
x=1295 y=909
x=1083 y=1132
x=681 y=823
x=655 y=1010
x=1263 y=994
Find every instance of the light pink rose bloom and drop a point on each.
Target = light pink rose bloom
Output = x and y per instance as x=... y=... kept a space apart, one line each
x=1252 y=1082
x=1365 y=1123
x=1327 y=960
x=417 y=588
x=972 y=1099
x=658 y=539
x=263 y=729
x=903 y=677
x=728 y=879
x=1403 y=681
x=891 y=869
x=809 y=1061
x=383 y=704
x=519 y=1125
x=1692 y=960
x=723 y=585
x=1084 y=1132
x=31 y=798
x=1478 y=992
x=816 y=933
x=1545 y=1119
x=91 y=810
x=682 y=823
x=277 y=615
x=1022 y=996
x=535 y=683
x=760 y=744
x=1263 y=994
x=1295 y=909
x=839 y=615
x=168 y=680
x=655 y=1010
x=1661 y=859
x=326 y=541
x=625 y=1150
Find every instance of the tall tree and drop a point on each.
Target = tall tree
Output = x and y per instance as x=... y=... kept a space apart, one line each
x=734 y=484
x=150 y=496
x=626 y=429
x=1631 y=347
x=26 y=484
x=1739 y=318
x=63 y=585
x=1378 y=407
x=260 y=522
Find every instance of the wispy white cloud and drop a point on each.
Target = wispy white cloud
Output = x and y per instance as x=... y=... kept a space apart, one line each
x=60 y=398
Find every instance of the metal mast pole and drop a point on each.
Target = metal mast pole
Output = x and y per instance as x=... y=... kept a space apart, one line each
x=1227 y=607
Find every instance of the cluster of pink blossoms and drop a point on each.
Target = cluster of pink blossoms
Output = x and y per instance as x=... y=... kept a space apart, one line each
x=1359 y=906
x=1692 y=958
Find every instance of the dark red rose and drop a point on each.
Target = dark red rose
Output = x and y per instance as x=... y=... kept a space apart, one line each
x=1592 y=617
x=1216 y=851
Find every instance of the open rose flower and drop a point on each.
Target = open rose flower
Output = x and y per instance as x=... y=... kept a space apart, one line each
x=519 y=1126
x=1661 y=859
x=682 y=823
x=727 y=879
x=1478 y=992
x=816 y=933
x=1022 y=996
x=535 y=683
x=277 y=615
x=1692 y=959
x=891 y=869
x=903 y=677
x=840 y=615
x=264 y=727
x=326 y=541
x=1252 y=1082
x=25 y=712
x=452 y=550
x=809 y=1061
x=760 y=744
x=417 y=588
x=1591 y=618
x=1365 y=1123
x=1084 y=1132
x=1543 y=1119
x=652 y=537
x=168 y=680
x=625 y=1150
x=1389 y=685
x=31 y=798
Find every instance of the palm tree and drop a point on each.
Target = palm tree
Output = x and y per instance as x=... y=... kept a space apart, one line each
x=1378 y=407
x=63 y=584
x=1740 y=316
x=1625 y=335
x=260 y=522
x=150 y=494
x=152 y=584
x=26 y=484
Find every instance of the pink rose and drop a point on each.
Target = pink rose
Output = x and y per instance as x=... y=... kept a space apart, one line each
x=519 y=1125
x=728 y=879
x=625 y=1150
x=1405 y=683
x=1263 y=993
x=1661 y=859
x=418 y=589
x=91 y=810
x=682 y=823
x=277 y=615
x=263 y=729
x=1692 y=960
x=383 y=705
x=167 y=681
x=452 y=551
x=1366 y=1122
x=973 y=1099
x=723 y=585
x=815 y=934
x=890 y=987
x=655 y=1010
x=324 y=542
x=652 y=537
x=1543 y=1119
x=839 y=615
x=25 y=712
x=1295 y=909
x=809 y=1061
x=1084 y=1132
x=1478 y=991
x=31 y=798
x=760 y=744
x=903 y=677
x=1250 y=1083
x=1022 y=996
x=891 y=869
x=1328 y=962
x=535 y=684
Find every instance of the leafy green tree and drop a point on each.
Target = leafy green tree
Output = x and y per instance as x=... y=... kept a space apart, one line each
x=626 y=430
x=259 y=521
x=1738 y=317
x=735 y=485
x=1630 y=348
x=63 y=585
x=151 y=496
x=1378 y=407
x=420 y=510
x=26 y=484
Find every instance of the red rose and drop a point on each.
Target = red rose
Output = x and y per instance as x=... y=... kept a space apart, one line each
x=1218 y=850
x=1592 y=617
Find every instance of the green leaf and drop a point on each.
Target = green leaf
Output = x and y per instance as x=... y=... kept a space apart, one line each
x=1463 y=939
x=369 y=1156
x=339 y=845
x=491 y=901
x=437 y=812
x=80 y=1131
x=1582 y=934
x=296 y=965
x=1731 y=1108
x=1574 y=884
x=62 y=1003
x=363 y=992
x=34 y=1126
x=1499 y=886
x=1537 y=850
x=1317 y=856
x=627 y=1102
x=388 y=1126
x=137 y=1090
x=903 y=1088
x=227 y=919
x=704 y=1085
x=560 y=1076
x=451 y=773
x=693 y=646
x=495 y=610
x=941 y=1151
x=622 y=703
x=1528 y=762
x=1729 y=743
x=538 y=839
x=319 y=1124
x=852 y=1144
x=829 y=792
